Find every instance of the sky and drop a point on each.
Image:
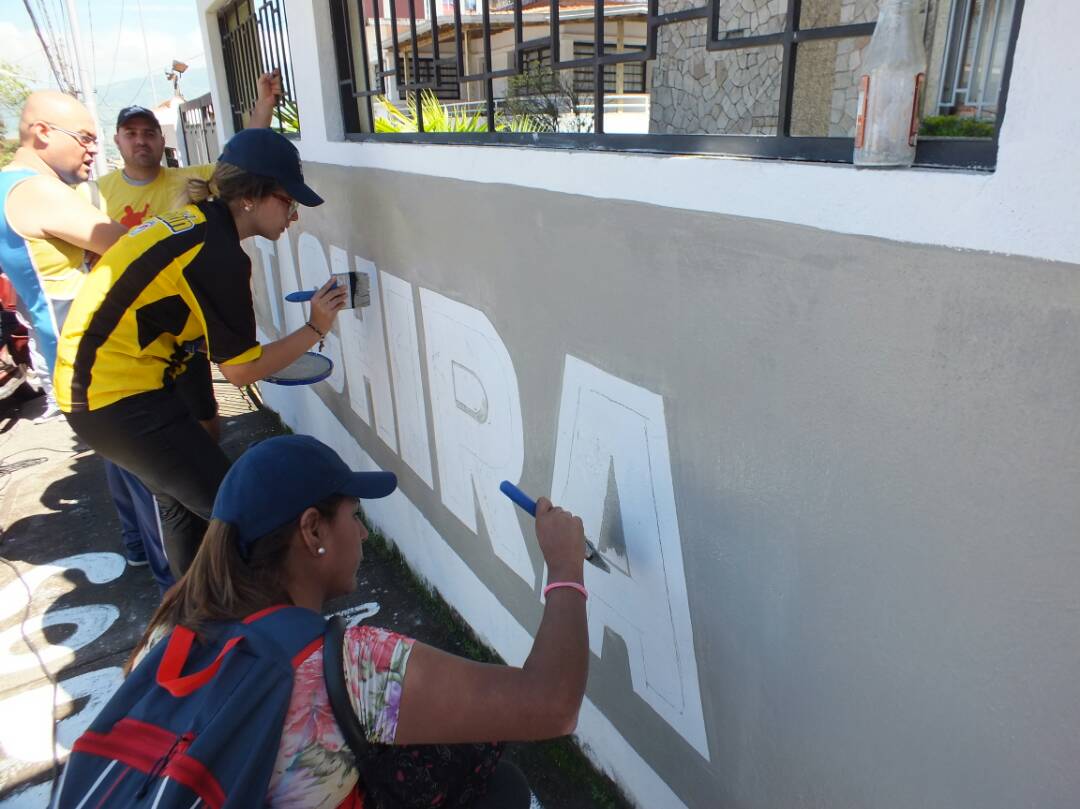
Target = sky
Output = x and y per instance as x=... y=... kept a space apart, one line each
x=125 y=67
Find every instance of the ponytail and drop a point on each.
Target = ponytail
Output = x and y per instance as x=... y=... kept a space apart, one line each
x=221 y=585
x=229 y=183
x=198 y=190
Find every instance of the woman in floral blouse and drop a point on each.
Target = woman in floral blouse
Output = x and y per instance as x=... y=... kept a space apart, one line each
x=286 y=528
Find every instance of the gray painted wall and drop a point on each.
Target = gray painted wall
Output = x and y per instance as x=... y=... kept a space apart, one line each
x=874 y=455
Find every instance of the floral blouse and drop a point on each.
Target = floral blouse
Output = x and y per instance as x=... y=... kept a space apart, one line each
x=314 y=767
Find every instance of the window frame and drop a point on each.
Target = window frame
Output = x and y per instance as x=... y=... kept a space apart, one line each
x=955 y=153
x=247 y=53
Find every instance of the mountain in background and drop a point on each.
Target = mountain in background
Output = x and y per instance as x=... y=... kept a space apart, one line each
x=114 y=97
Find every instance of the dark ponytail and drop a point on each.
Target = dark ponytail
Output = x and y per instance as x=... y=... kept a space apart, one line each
x=221 y=585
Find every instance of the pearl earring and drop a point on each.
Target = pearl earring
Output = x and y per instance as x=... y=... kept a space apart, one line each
x=321 y=551
x=247 y=208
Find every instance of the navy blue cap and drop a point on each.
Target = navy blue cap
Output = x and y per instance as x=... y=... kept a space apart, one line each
x=127 y=113
x=270 y=154
x=272 y=483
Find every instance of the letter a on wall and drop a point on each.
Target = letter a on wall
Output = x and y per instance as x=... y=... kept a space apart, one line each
x=613 y=469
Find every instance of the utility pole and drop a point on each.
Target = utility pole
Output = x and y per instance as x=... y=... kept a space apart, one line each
x=55 y=62
x=89 y=94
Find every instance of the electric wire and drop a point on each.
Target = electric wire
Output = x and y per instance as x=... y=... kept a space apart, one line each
x=93 y=43
x=49 y=56
x=116 y=54
x=146 y=50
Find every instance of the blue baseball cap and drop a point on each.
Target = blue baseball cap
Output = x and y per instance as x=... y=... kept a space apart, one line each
x=135 y=111
x=272 y=483
x=270 y=154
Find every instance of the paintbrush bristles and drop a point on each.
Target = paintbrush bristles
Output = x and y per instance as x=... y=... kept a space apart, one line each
x=359 y=288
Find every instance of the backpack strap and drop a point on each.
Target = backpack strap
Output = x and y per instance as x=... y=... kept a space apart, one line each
x=334 y=677
x=169 y=674
x=176 y=655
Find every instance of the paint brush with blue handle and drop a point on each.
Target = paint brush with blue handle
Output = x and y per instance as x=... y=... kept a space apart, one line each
x=359 y=289
x=529 y=505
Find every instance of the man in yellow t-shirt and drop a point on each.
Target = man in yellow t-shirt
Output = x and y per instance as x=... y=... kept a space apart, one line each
x=144 y=188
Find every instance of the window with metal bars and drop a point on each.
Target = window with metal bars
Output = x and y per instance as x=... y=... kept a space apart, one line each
x=536 y=75
x=442 y=78
x=760 y=78
x=633 y=73
x=255 y=40
x=973 y=62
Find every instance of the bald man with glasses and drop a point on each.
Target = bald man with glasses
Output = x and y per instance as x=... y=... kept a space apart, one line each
x=48 y=230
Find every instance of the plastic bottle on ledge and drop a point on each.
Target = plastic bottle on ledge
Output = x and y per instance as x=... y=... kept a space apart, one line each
x=890 y=89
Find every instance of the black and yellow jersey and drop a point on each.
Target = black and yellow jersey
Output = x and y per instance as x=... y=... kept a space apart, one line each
x=173 y=281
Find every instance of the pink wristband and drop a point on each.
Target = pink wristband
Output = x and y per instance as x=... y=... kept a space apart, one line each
x=573 y=585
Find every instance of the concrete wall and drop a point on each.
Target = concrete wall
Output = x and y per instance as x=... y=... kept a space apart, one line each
x=827 y=441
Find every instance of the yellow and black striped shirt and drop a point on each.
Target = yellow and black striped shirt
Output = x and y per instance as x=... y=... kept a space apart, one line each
x=175 y=280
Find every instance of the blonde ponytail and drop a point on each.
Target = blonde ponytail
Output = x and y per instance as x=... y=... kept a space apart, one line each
x=198 y=190
x=229 y=183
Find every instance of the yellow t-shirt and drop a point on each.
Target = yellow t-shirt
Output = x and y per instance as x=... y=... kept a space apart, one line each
x=131 y=204
x=179 y=278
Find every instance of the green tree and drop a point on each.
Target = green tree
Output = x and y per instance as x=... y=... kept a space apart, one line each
x=14 y=89
x=438 y=118
x=548 y=97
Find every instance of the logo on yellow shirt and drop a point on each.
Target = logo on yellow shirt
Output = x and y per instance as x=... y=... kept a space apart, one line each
x=133 y=218
x=178 y=221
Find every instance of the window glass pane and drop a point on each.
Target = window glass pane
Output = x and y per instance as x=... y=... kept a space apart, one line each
x=628 y=77
x=750 y=18
x=541 y=99
x=695 y=91
x=968 y=42
x=827 y=13
x=827 y=87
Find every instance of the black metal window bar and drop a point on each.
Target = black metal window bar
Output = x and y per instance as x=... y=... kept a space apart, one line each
x=975 y=48
x=255 y=40
x=633 y=72
x=442 y=78
x=350 y=19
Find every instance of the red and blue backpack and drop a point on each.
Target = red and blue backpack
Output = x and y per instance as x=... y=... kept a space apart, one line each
x=164 y=740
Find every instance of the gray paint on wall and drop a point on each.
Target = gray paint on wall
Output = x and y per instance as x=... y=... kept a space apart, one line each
x=874 y=449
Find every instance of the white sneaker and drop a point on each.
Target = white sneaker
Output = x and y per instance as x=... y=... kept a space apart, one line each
x=51 y=412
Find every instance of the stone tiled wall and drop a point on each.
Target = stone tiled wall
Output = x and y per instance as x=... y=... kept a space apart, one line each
x=695 y=91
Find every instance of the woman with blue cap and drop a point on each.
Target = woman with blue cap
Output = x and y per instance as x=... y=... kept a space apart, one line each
x=180 y=283
x=286 y=529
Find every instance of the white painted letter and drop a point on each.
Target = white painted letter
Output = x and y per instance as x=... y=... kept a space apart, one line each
x=99 y=568
x=477 y=413
x=266 y=252
x=405 y=371
x=91 y=622
x=26 y=733
x=363 y=349
x=613 y=469
x=295 y=314
x=314 y=272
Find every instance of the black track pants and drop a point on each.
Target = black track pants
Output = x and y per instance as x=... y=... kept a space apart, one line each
x=154 y=436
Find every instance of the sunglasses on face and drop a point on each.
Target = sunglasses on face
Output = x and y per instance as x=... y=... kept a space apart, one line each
x=86 y=141
x=294 y=206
